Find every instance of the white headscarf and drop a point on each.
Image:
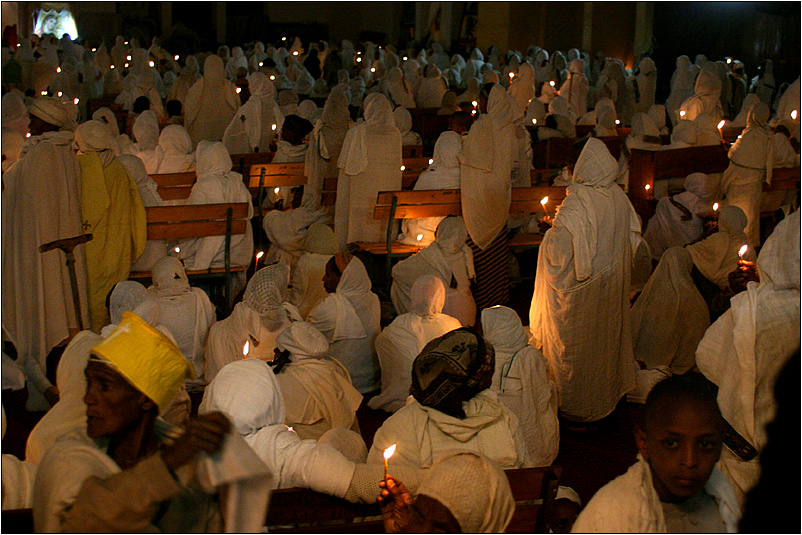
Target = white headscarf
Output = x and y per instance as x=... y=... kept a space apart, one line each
x=717 y=255
x=95 y=136
x=444 y=171
x=210 y=103
x=170 y=278
x=174 y=152
x=379 y=119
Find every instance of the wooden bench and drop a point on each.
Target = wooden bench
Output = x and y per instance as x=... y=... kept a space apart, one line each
x=243 y=162
x=174 y=186
x=305 y=511
x=428 y=125
x=173 y=223
x=412 y=151
x=554 y=151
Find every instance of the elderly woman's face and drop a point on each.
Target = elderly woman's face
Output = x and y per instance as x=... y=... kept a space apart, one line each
x=113 y=405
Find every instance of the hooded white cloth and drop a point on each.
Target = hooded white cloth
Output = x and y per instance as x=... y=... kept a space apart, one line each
x=189 y=75
x=217 y=183
x=629 y=504
x=307 y=290
x=403 y=121
x=370 y=162
x=717 y=255
x=236 y=61
x=575 y=88
x=210 y=103
x=670 y=226
x=148 y=190
x=707 y=130
x=706 y=97
x=250 y=129
x=755 y=337
x=670 y=316
x=423 y=433
x=486 y=168
x=396 y=87
x=350 y=320
x=286 y=231
x=317 y=390
x=174 y=152
x=17 y=478
x=261 y=316
x=682 y=82
x=12 y=147
x=431 y=89
x=522 y=87
x=144 y=85
x=447 y=257
x=185 y=311
x=646 y=81
x=583 y=267
x=146 y=133
x=14 y=112
x=740 y=119
x=644 y=135
x=401 y=341
x=751 y=163
x=249 y=394
x=521 y=380
x=442 y=173
x=38 y=208
x=486 y=505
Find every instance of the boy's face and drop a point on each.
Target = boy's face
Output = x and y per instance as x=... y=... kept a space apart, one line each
x=682 y=444
x=563 y=515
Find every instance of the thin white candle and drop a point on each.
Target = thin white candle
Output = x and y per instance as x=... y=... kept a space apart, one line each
x=387 y=454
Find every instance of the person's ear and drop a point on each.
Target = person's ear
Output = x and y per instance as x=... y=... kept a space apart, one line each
x=640 y=441
x=146 y=404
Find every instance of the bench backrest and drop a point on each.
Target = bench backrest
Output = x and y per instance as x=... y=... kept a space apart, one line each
x=243 y=162
x=173 y=186
x=647 y=166
x=196 y=221
x=271 y=175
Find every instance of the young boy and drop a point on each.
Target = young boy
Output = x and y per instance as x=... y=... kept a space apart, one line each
x=674 y=486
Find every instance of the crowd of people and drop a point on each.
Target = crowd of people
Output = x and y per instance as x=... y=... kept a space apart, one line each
x=694 y=319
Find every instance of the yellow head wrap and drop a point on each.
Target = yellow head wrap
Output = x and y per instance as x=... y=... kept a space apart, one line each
x=146 y=358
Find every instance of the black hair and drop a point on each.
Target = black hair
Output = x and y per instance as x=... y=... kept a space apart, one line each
x=298 y=128
x=551 y=121
x=173 y=108
x=670 y=390
x=141 y=104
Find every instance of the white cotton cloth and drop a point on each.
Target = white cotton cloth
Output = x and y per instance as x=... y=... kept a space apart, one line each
x=706 y=97
x=174 y=152
x=682 y=82
x=350 y=320
x=717 y=255
x=307 y=289
x=644 y=135
x=485 y=506
x=522 y=88
x=210 y=103
x=670 y=316
x=449 y=258
x=250 y=128
x=144 y=85
x=12 y=147
x=185 y=311
x=146 y=133
x=646 y=80
x=706 y=130
x=189 y=75
x=486 y=168
x=431 y=89
x=401 y=341
x=755 y=337
x=317 y=390
x=286 y=231
x=403 y=121
x=442 y=173
x=14 y=113
x=248 y=393
x=148 y=190
x=217 y=183
x=740 y=119
x=584 y=266
x=370 y=162
x=422 y=433
x=575 y=88
x=521 y=380
x=629 y=504
x=668 y=226
x=236 y=61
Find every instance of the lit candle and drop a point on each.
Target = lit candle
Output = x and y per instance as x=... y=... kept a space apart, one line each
x=715 y=206
x=543 y=202
x=358 y=60
x=387 y=454
x=259 y=255
x=76 y=101
x=295 y=53
x=178 y=252
x=246 y=349
x=512 y=75
x=419 y=237
x=126 y=42
x=283 y=38
x=647 y=187
x=373 y=69
x=277 y=190
x=551 y=83
x=176 y=57
x=405 y=58
x=151 y=64
x=742 y=252
x=403 y=167
x=534 y=121
x=239 y=90
x=111 y=67
x=273 y=126
x=93 y=50
x=272 y=77
x=474 y=103
x=793 y=115
x=682 y=114
x=28 y=134
x=729 y=60
x=720 y=126
x=128 y=58
x=617 y=122
x=126 y=65
x=58 y=69
x=44 y=93
x=431 y=161
x=58 y=94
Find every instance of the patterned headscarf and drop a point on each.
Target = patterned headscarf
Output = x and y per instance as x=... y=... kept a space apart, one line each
x=451 y=369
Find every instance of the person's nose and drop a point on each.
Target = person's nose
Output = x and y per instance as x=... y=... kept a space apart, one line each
x=689 y=456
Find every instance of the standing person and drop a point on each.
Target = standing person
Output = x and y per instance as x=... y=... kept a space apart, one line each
x=210 y=103
x=575 y=88
x=370 y=162
x=487 y=158
x=38 y=307
x=706 y=97
x=583 y=267
x=112 y=211
x=251 y=128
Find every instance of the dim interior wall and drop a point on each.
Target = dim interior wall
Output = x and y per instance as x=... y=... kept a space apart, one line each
x=614 y=30
x=493 y=26
x=526 y=25
x=563 y=25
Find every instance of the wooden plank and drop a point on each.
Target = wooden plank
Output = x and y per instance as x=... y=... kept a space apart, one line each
x=277 y=175
x=193 y=229
x=412 y=151
x=419 y=197
x=294 y=168
x=381 y=247
x=174 y=179
x=174 y=193
x=195 y=212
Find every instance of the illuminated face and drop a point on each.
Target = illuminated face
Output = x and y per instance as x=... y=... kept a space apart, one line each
x=112 y=403
x=563 y=515
x=682 y=445
x=49 y=24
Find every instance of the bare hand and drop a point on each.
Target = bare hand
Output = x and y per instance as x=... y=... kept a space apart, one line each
x=545 y=223
x=396 y=504
x=743 y=274
x=52 y=395
x=203 y=434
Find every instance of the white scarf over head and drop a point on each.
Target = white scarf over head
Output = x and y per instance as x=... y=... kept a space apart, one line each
x=717 y=255
x=174 y=152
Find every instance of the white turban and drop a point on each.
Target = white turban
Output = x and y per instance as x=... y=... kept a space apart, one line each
x=301 y=338
x=267 y=289
x=53 y=111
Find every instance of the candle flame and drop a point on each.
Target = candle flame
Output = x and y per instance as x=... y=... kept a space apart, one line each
x=272 y=77
x=647 y=187
x=729 y=60
x=176 y=57
x=126 y=65
x=682 y=114
x=403 y=167
x=512 y=74
x=246 y=348
x=419 y=237
x=405 y=58
x=44 y=93
x=295 y=53
x=151 y=63
x=273 y=126
x=551 y=83
x=544 y=200
x=715 y=206
x=58 y=94
x=742 y=251
x=534 y=121
x=239 y=90
x=617 y=121
x=177 y=250
x=389 y=451
x=28 y=134
x=373 y=69
x=58 y=69
x=76 y=101
x=126 y=42
x=259 y=255
x=793 y=115
x=276 y=190
x=431 y=161
x=359 y=59
x=720 y=124
x=93 y=50
x=128 y=58
x=475 y=103
x=111 y=67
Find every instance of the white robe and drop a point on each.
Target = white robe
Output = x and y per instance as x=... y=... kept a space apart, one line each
x=667 y=227
x=210 y=103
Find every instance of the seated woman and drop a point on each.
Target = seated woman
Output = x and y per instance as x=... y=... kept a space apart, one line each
x=317 y=389
x=403 y=121
x=261 y=316
x=521 y=381
x=450 y=259
x=146 y=134
x=401 y=341
x=217 y=183
x=349 y=318
x=453 y=406
x=185 y=311
x=306 y=280
x=174 y=152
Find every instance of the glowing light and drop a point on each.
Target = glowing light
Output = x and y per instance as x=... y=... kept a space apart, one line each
x=246 y=348
x=358 y=60
x=544 y=200
x=793 y=115
x=419 y=237
x=126 y=42
x=405 y=58
x=647 y=187
x=151 y=64
x=128 y=57
x=403 y=167
x=111 y=67
x=58 y=94
x=259 y=255
x=387 y=454
x=729 y=60
x=18 y=45
x=742 y=251
x=720 y=124
x=272 y=77
x=474 y=103
x=44 y=93
x=76 y=101
x=93 y=50
x=295 y=53
x=276 y=191
x=177 y=250
x=176 y=57
x=283 y=38
x=289 y=428
x=239 y=90
x=261 y=63
x=126 y=65
x=58 y=69
x=715 y=206
x=617 y=121
x=534 y=121
x=373 y=69
x=431 y=161
x=551 y=83
x=273 y=126
x=28 y=134
x=512 y=75
x=682 y=114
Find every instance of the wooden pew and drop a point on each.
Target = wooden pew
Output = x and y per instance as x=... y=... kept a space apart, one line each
x=174 y=186
x=173 y=223
x=305 y=511
x=428 y=125
x=412 y=151
x=648 y=166
x=243 y=162
x=554 y=151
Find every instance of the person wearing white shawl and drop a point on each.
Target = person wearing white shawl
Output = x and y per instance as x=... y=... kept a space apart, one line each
x=449 y=258
x=675 y=222
x=789 y=101
x=448 y=105
x=412 y=74
x=261 y=316
x=288 y=102
x=644 y=85
x=522 y=87
x=667 y=491
x=756 y=336
x=706 y=130
x=124 y=143
x=403 y=121
x=489 y=76
x=189 y=75
x=236 y=61
x=682 y=136
x=763 y=84
x=144 y=86
x=401 y=341
x=740 y=120
x=564 y=116
x=146 y=134
x=605 y=118
x=644 y=135
x=706 y=97
x=15 y=114
x=431 y=89
x=395 y=87
x=12 y=147
x=185 y=311
x=751 y=163
x=250 y=130
x=535 y=113
x=452 y=406
x=257 y=56
x=584 y=264
x=306 y=279
x=575 y=88
x=18 y=477
x=442 y=173
x=370 y=162
x=471 y=93
x=286 y=230
x=94 y=483
x=306 y=109
x=210 y=103
x=717 y=255
x=349 y=318
x=317 y=390
x=522 y=382
x=657 y=113
x=217 y=183
x=148 y=191
x=174 y=152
